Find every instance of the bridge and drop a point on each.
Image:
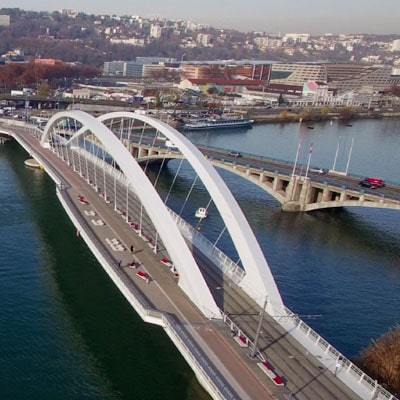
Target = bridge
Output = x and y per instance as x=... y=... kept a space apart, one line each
x=213 y=309
x=295 y=192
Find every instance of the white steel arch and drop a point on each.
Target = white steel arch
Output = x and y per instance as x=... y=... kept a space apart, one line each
x=191 y=280
x=258 y=282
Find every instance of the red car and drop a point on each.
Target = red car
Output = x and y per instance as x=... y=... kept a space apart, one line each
x=375 y=182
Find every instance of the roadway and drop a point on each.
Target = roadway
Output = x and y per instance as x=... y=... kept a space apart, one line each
x=332 y=178
x=305 y=376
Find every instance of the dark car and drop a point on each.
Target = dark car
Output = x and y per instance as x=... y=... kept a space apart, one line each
x=367 y=184
x=235 y=154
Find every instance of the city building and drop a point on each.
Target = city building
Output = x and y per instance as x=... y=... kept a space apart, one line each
x=228 y=86
x=154 y=60
x=249 y=69
x=123 y=68
x=142 y=67
x=204 y=39
x=358 y=78
x=296 y=38
x=155 y=31
x=139 y=42
x=4 y=20
x=47 y=61
x=297 y=73
x=16 y=55
x=339 y=77
x=396 y=45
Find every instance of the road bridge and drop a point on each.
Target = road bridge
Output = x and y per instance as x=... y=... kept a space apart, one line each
x=295 y=192
x=288 y=359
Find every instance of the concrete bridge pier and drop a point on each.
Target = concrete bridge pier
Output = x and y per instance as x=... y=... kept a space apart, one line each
x=298 y=194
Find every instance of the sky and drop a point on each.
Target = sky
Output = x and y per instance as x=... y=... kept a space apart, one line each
x=272 y=16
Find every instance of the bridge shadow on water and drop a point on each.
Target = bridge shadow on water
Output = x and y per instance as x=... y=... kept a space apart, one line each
x=365 y=230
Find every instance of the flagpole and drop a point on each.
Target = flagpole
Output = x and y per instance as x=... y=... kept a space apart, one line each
x=297 y=157
x=336 y=155
x=309 y=159
x=348 y=161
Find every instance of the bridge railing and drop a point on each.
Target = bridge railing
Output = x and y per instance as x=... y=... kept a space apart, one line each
x=198 y=359
x=220 y=259
x=354 y=374
x=188 y=347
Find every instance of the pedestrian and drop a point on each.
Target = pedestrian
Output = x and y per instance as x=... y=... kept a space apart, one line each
x=132 y=249
x=119 y=263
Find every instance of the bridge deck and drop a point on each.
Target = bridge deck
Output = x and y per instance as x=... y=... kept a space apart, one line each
x=295 y=193
x=228 y=360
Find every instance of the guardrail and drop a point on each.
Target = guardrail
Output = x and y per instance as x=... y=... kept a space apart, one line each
x=354 y=374
x=219 y=258
x=192 y=352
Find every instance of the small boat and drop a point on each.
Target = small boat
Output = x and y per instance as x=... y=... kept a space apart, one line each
x=201 y=213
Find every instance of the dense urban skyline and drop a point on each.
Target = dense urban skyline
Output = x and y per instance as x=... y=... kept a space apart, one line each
x=304 y=16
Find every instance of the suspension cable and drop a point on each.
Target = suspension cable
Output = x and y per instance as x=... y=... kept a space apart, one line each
x=148 y=158
x=173 y=182
x=159 y=173
x=188 y=195
x=219 y=236
x=208 y=204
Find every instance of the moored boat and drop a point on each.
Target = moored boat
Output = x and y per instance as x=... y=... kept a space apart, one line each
x=221 y=123
x=201 y=213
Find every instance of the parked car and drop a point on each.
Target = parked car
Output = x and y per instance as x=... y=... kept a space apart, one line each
x=367 y=184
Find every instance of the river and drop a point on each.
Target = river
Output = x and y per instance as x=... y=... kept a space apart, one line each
x=339 y=269
x=67 y=332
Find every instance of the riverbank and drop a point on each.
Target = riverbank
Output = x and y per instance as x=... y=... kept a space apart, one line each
x=284 y=116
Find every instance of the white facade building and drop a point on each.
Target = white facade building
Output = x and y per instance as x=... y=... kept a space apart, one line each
x=204 y=39
x=155 y=31
x=396 y=45
x=4 y=20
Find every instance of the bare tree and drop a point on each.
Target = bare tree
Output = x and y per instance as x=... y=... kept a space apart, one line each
x=381 y=359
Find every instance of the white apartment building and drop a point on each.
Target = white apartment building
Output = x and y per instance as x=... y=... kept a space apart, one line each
x=296 y=37
x=155 y=31
x=396 y=45
x=4 y=20
x=204 y=39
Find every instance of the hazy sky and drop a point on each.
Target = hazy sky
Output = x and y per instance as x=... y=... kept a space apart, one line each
x=300 y=16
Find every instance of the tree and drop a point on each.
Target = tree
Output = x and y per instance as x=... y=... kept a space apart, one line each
x=309 y=114
x=325 y=112
x=281 y=100
x=44 y=89
x=12 y=75
x=212 y=90
x=381 y=360
x=347 y=113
